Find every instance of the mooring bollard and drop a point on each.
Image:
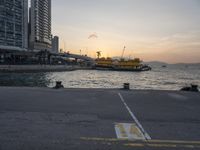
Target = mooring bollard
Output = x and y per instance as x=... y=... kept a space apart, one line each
x=194 y=88
x=127 y=86
x=58 y=85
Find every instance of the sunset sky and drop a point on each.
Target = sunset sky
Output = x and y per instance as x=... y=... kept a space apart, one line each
x=162 y=30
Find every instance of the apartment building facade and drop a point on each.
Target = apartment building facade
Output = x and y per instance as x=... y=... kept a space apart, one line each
x=40 y=37
x=13 y=24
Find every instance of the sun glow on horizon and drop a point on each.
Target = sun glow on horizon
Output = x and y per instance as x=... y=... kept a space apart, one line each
x=160 y=30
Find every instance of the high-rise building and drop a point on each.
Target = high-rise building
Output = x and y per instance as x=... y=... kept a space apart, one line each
x=55 y=44
x=13 y=24
x=40 y=25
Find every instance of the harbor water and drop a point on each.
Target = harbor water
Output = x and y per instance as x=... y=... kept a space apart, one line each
x=172 y=77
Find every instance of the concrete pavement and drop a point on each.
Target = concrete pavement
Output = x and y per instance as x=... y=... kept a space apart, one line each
x=43 y=118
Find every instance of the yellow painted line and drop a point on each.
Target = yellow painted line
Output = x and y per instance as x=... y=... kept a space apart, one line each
x=161 y=145
x=134 y=145
x=144 y=141
x=103 y=139
x=150 y=143
x=174 y=141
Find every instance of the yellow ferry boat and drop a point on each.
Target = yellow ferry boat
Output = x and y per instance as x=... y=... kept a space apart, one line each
x=121 y=65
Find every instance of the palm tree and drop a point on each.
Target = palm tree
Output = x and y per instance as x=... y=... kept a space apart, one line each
x=98 y=54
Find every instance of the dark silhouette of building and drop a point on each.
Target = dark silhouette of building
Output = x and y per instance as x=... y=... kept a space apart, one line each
x=55 y=44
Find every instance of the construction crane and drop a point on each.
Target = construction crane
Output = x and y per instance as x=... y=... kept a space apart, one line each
x=98 y=54
x=123 y=52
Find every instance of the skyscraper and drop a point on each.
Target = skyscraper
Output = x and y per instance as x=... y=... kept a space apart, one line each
x=40 y=25
x=13 y=24
x=55 y=44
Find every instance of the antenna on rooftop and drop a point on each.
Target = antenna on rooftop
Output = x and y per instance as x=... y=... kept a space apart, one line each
x=123 y=52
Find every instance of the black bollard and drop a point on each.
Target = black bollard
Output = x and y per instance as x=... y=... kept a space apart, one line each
x=194 y=88
x=58 y=85
x=126 y=86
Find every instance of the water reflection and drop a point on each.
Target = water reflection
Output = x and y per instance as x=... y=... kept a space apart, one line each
x=158 y=78
x=24 y=79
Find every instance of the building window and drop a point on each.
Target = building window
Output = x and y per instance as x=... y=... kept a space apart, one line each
x=2 y=2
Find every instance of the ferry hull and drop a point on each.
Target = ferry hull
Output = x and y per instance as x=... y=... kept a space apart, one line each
x=144 y=68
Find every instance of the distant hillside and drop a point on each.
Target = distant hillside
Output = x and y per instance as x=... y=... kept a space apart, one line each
x=156 y=63
x=176 y=64
x=192 y=64
x=160 y=63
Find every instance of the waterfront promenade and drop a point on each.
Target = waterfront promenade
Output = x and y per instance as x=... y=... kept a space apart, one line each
x=98 y=119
